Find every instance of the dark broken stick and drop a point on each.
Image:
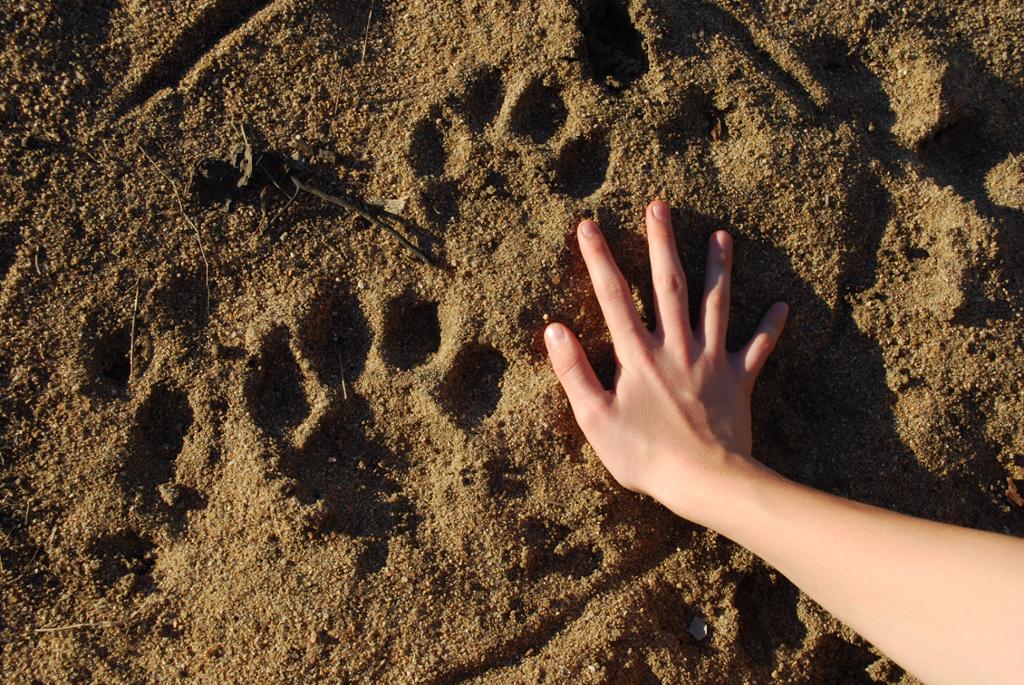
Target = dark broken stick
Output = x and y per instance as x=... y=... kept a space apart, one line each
x=356 y=209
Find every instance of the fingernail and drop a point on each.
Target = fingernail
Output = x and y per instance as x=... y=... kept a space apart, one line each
x=588 y=228
x=661 y=211
x=554 y=334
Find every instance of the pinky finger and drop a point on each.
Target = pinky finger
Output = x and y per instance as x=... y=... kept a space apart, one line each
x=756 y=352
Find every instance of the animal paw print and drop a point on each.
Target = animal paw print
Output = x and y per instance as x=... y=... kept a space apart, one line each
x=477 y=136
x=539 y=111
x=162 y=423
x=124 y=556
x=300 y=393
x=427 y=152
x=274 y=391
x=412 y=332
x=548 y=549
x=291 y=383
x=105 y=355
x=444 y=143
x=539 y=114
x=614 y=46
x=470 y=388
x=300 y=366
x=582 y=165
x=484 y=96
x=438 y=135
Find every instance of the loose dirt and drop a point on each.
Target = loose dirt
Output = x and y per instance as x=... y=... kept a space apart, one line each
x=273 y=446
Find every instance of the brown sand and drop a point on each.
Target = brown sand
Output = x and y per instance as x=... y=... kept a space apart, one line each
x=352 y=467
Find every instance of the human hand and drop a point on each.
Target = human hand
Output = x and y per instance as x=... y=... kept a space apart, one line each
x=676 y=425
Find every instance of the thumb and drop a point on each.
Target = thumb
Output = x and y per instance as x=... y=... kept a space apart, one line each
x=574 y=372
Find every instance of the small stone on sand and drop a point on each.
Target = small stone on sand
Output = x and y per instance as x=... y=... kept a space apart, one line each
x=698 y=628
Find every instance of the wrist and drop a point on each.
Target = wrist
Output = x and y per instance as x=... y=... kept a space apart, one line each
x=716 y=489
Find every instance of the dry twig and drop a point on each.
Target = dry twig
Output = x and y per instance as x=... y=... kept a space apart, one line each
x=241 y=129
x=131 y=337
x=356 y=209
x=341 y=370
x=366 y=32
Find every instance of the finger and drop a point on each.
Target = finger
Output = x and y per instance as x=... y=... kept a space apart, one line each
x=574 y=372
x=714 y=314
x=611 y=289
x=755 y=353
x=670 y=303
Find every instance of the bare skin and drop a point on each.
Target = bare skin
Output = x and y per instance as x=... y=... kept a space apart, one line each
x=942 y=601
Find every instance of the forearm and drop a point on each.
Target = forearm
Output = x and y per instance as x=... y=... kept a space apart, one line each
x=944 y=602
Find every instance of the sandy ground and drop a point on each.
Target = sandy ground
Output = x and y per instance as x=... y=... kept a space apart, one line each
x=268 y=444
